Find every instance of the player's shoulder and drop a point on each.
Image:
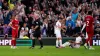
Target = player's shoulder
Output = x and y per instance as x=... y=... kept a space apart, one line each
x=13 y=20
x=89 y=16
x=79 y=37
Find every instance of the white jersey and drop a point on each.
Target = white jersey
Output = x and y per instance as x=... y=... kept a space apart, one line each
x=57 y=29
x=58 y=24
x=78 y=40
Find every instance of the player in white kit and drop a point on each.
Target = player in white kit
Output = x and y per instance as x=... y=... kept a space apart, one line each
x=74 y=44
x=58 y=33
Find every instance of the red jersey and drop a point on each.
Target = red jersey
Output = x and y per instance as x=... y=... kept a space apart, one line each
x=15 y=23
x=89 y=23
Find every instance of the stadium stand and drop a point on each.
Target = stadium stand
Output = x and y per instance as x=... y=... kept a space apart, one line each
x=48 y=11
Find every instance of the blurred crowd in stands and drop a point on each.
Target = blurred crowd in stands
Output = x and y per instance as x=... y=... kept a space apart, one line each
x=73 y=13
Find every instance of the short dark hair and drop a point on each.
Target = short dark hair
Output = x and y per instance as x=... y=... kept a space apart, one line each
x=90 y=12
x=78 y=34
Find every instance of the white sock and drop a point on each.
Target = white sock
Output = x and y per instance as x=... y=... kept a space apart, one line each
x=65 y=44
x=60 y=42
x=57 y=42
x=12 y=46
x=85 y=44
x=90 y=46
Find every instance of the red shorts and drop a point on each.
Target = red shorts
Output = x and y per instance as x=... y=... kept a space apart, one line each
x=14 y=33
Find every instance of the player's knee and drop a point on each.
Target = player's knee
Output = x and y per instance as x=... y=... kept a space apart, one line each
x=39 y=38
x=33 y=38
x=60 y=38
x=13 y=39
x=56 y=38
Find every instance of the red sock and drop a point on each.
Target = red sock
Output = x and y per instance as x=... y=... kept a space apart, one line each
x=87 y=40
x=14 y=42
x=91 y=42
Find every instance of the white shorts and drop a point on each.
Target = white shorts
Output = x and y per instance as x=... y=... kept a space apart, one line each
x=58 y=34
x=77 y=46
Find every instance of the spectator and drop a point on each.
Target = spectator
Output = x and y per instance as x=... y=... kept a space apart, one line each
x=45 y=26
x=1 y=15
x=6 y=16
x=24 y=31
x=70 y=25
x=50 y=10
x=5 y=30
x=78 y=25
x=31 y=31
x=75 y=14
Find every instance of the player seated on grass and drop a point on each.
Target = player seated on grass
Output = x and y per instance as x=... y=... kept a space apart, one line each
x=74 y=44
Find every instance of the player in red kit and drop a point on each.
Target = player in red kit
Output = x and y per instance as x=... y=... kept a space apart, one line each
x=89 y=24
x=14 y=24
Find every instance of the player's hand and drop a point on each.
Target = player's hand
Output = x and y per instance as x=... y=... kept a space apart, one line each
x=81 y=32
x=13 y=28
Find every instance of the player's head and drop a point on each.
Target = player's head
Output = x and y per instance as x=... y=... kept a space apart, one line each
x=32 y=27
x=90 y=12
x=16 y=16
x=25 y=24
x=60 y=19
x=78 y=34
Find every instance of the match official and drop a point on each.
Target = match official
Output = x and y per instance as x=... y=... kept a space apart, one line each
x=37 y=33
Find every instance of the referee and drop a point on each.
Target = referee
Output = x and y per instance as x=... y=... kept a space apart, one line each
x=37 y=33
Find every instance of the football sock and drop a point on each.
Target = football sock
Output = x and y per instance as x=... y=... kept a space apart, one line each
x=57 y=43
x=14 y=42
x=90 y=42
x=85 y=44
x=60 y=42
x=33 y=42
x=41 y=43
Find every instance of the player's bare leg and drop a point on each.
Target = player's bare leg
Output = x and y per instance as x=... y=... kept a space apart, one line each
x=66 y=44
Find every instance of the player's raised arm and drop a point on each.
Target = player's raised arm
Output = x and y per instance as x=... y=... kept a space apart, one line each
x=83 y=27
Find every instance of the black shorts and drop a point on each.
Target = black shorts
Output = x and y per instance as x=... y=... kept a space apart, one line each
x=37 y=34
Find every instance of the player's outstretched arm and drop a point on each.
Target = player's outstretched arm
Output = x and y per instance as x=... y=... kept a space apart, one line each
x=83 y=27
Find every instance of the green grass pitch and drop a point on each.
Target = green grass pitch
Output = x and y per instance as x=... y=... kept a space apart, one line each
x=48 y=51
